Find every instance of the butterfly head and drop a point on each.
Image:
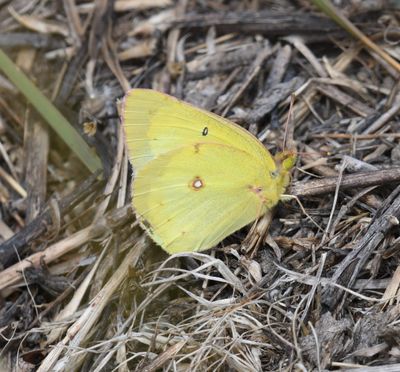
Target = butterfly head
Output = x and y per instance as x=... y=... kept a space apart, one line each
x=284 y=161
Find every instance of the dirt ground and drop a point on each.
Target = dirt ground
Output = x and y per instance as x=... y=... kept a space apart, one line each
x=313 y=286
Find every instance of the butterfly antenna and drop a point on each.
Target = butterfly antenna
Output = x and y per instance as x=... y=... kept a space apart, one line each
x=291 y=197
x=288 y=120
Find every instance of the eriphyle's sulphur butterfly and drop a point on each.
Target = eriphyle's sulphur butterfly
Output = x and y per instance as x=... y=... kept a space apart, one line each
x=197 y=176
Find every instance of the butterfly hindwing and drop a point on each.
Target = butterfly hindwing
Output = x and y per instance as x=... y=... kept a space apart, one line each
x=188 y=201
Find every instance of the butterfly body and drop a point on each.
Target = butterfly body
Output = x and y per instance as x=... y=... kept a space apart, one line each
x=198 y=177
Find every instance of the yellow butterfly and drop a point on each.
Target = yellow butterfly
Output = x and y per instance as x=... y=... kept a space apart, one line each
x=197 y=176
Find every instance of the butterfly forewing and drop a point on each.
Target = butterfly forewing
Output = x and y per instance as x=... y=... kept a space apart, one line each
x=156 y=123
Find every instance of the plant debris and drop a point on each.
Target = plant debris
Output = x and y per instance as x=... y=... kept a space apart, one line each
x=313 y=286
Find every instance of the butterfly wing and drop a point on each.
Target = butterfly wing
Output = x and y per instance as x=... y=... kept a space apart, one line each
x=156 y=123
x=190 y=198
x=198 y=177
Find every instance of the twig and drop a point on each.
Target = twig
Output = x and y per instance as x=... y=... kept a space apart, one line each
x=327 y=185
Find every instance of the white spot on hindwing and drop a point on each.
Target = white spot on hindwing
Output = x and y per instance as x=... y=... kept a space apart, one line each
x=196 y=184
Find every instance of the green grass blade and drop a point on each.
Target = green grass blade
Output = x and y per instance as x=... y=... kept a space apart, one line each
x=50 y=113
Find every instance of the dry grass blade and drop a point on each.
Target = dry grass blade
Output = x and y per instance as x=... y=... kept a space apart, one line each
x=13 y=274
x=327 y=7
x=78 y=332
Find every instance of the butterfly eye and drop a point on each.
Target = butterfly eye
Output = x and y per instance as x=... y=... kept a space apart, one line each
x=205 y=131
x=274 y=174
